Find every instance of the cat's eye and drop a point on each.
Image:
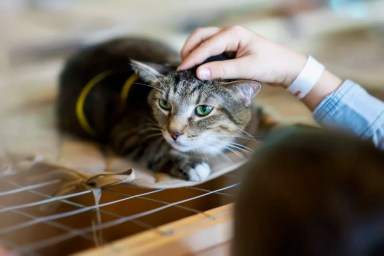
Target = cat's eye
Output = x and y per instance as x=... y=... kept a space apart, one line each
x=203 y=110
x=164 y=104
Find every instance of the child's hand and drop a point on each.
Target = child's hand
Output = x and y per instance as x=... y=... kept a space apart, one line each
x=257 y=58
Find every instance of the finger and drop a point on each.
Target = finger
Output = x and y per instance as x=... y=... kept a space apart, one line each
x=217 y=44
x=196 y=38
x=227 y=69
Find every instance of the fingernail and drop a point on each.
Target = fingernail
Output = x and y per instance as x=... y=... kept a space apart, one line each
x=204 y=73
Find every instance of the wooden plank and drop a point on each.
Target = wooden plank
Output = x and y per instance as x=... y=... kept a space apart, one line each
x=217 y=250
x=186 y=236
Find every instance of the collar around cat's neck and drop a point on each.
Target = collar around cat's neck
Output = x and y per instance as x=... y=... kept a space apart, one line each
x=81 y=117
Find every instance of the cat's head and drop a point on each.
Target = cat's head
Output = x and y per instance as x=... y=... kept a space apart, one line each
x=194 y=115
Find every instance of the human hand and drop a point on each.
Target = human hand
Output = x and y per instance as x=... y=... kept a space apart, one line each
x=257 y=58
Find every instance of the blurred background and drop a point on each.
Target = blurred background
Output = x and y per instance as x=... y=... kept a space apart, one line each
x=37 y=35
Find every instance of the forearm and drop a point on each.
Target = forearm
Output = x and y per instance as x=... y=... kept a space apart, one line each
x=326 y=85
x=339 y=105
x=310 y=81
x=351 y=108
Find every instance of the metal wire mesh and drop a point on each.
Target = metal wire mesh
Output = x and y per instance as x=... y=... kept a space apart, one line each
x=34 y=223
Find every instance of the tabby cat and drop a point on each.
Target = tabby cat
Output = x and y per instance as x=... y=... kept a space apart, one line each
x=127 y=93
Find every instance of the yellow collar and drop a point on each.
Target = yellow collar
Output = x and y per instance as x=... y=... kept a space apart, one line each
x=88 y=87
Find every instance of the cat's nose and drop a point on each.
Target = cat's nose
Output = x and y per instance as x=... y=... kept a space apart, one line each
x=175 y=134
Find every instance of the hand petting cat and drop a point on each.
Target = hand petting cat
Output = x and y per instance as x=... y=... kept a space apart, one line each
x=257 y=58
x=252 y=50
x=335 y=103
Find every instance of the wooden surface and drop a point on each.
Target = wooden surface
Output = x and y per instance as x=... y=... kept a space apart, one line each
x=200 y=234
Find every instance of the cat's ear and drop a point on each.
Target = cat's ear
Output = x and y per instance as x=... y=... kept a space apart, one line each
x=245 y=89
x=148 y=71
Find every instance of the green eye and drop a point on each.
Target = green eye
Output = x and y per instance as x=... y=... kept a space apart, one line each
x=203 y=110
x=164 y=104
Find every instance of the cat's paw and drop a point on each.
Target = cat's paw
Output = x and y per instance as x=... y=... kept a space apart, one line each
x=192 y=171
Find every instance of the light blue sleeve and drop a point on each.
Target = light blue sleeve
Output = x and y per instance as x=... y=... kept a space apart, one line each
x=351 y=108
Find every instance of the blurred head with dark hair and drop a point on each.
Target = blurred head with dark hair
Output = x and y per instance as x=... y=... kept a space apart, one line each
x=311 y=192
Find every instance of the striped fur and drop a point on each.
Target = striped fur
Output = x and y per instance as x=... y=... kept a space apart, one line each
x=143 y=130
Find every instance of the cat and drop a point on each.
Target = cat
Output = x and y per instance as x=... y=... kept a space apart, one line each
x=312 y=192
x=171 y=119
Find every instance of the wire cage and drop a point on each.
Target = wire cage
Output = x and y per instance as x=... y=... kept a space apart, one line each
x=34 y=222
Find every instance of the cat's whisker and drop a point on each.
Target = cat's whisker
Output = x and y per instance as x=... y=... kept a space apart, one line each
x=240 y=151
x=153 y=135
x=227 y=146
x=149 y=122
x=216 y=157
x=124 y=135
x=219 y=154
x=242 y=147
x=234 y=151
x=248 y=134
x=225 y=157
x=237 y=136
x=146 y=138
x=127 y=140
x=150 y=128
x=237 y=145
x=154 y=127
